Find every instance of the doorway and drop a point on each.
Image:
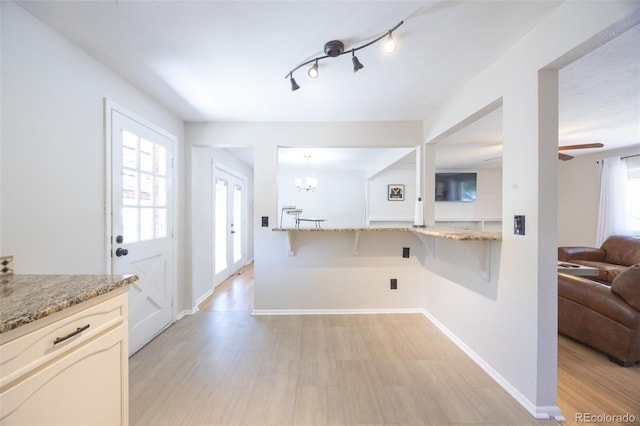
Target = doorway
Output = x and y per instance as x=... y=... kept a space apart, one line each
x=140 y=210
x=229 y=223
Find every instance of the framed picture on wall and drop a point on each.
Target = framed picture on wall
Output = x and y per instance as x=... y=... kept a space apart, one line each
x=395 y=192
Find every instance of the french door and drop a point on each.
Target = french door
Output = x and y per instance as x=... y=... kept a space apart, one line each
x=141 y=223
x=229 y=224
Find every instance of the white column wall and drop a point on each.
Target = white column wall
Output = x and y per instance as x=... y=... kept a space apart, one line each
x=201 y=224
x=514 y=332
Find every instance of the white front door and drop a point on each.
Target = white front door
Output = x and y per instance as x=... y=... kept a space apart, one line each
x=141 y=213
x=229 y=224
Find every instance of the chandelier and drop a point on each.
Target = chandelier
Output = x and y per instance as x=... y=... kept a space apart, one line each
x=309 y=184
x=335 y=48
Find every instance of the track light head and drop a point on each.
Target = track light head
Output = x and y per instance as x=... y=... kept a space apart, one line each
x=389 y=45
x=313 y=71
x=294 y=85
x=356 y=63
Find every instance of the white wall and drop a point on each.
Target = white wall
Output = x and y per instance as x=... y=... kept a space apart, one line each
x=579 y=195
x=514 y=332
x=339 y=198
x=383 y=212
x=53 y=149
x=488 y=203
x=330 y=279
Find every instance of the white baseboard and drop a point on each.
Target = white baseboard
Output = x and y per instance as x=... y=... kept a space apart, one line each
x=539 y=412
x=336 y=311
x=204 y=297
x=186 y=312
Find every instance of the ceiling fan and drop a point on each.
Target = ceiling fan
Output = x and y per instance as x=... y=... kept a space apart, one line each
x=566 y=157
x=562 y=156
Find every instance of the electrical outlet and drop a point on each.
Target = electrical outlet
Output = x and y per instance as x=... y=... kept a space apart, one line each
x=265 y=221
x=394 y=283
x=405 y=252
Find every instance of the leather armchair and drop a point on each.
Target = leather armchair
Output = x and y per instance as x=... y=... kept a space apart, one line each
x=598 y=316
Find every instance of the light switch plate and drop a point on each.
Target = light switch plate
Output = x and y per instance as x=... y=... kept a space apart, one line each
x=518 y=225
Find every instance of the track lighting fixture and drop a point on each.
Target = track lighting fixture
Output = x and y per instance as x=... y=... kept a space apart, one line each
x=313 y=71
x=294 y=85
x=356 y=63
x=335 y=48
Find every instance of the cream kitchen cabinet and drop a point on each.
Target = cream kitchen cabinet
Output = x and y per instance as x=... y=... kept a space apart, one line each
x=69 y=368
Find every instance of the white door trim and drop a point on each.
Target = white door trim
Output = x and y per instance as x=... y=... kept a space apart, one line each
x=109 y=108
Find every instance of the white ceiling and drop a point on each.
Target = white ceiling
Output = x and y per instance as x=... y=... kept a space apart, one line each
x=227 y=60
x=599 y=102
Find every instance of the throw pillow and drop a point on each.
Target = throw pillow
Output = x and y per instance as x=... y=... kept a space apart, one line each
x=627 y=285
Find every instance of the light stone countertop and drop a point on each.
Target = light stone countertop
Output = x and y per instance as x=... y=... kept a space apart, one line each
x=27 y=298
x=457 y=234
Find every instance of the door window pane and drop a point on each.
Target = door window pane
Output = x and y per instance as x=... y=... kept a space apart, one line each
x=130 y=224
x=220 y=226
x=146 y=155
x=129 y=150
x=129 y=188
x=146 y=187
x=161 y=192
x=147 y=227
x=237 y=221
x=160 y=160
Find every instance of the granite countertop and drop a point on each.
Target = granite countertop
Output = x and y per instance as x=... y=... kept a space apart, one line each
x=457 y=234
x=27 y=298
x=347 y=229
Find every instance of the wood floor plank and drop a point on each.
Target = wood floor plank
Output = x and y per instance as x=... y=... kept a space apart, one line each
x=224 y=367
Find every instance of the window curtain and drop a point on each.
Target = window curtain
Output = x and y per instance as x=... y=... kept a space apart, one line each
x=612 y=208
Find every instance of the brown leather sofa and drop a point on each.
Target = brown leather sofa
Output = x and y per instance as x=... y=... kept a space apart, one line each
x=606 y=318
x=615 y=255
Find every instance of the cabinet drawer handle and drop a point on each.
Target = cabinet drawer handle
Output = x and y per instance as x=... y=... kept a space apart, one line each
x=70 y=335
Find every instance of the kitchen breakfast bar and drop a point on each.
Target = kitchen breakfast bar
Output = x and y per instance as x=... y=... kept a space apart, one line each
x=426 y=234
x=469 y=249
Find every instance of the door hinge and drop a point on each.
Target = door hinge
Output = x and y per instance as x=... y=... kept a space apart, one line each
x=172 y=163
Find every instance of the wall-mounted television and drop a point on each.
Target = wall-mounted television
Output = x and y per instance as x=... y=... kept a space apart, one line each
x=456 y=186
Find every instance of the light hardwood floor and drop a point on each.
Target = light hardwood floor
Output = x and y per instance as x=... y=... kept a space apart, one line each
x=589 y=383
x=224 y=367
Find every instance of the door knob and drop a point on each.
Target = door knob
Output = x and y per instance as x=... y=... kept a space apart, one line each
x=121 y=252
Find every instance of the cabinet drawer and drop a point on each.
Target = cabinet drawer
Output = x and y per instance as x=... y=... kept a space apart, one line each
x=87 y=386
x=18 y=357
